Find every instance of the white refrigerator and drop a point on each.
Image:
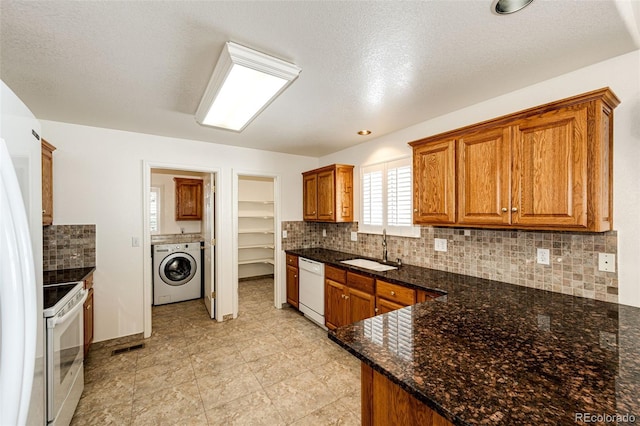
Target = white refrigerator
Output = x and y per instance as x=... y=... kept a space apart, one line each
x=22 y=390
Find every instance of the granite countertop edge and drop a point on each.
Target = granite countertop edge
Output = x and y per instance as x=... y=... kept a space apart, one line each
x=68 y=275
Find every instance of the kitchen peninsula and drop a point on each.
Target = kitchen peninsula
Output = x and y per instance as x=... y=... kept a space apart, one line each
x=492 y=353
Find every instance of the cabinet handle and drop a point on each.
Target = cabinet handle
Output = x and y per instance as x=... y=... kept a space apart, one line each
x=44 y=211
x=346 y=297
x=415 y=210
x=376 y=310
x=330 y=212
x=504 y=209
x=295 y=276
x=393 y=293
x=514 y=209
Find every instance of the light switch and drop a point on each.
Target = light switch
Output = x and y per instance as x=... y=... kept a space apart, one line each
x=324 y=232
x=354 y=236
x=135 y=242
x=284 y=234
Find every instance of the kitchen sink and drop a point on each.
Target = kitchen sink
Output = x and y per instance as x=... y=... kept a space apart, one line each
x=369 y=264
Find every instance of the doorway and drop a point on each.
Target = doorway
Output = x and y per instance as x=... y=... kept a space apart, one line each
x=256 y=243
x=180 y=210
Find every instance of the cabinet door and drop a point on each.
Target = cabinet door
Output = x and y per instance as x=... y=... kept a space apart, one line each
x=360 y=305
x=310 y=196
x=188 y=199
x=335 y=304
x=47 y=183
x=484 y=177
x=344 y=194
x=88 y=322
x=550 y=169
x=434 y=183
x=326 y=195
x=383 y=305
x=292 y=286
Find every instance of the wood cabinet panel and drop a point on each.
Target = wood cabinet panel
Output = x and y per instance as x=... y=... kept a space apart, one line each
x=361 y=282
x=292 y=260
x=434 y=183
x=425 y=295
x=395 y=293
x=335 y=274
x=335 y=309
x=328 y=194
x=360 y=305
x=293 y=289
x=386 y=403
x=384 y=305
x=310 y=196
x=484 y=183
x=47 y=182
x=188 y=199
x=88 y=322
x=550 y=169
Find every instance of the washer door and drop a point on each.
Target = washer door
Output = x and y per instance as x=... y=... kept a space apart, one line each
x=177 y=269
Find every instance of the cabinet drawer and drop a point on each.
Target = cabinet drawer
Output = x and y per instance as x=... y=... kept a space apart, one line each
x=395 y=293
x=292 y=260
x=360 y=282
x=335 y=274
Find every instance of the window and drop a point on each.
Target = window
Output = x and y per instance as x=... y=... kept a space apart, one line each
x=155 y=206
x=387 y=200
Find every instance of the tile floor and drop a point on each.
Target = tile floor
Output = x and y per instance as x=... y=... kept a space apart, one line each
x=267 y=367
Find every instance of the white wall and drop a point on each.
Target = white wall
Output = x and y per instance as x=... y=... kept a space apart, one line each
x=622 y=74
x=98 y=179
x=168 y=223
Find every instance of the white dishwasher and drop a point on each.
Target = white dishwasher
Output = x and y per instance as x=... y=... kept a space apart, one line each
x=311 y=296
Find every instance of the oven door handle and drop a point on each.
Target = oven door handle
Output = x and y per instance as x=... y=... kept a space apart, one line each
x=59 y=320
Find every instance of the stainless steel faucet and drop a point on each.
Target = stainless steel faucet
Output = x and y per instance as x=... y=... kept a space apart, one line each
x=384 y=245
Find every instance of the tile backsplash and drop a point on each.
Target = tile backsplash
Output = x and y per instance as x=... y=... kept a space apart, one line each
x=501 y=255
x=68 y=246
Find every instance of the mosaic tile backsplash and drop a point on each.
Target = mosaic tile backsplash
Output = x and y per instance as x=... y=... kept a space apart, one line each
x=501 y=255
x=68 y=246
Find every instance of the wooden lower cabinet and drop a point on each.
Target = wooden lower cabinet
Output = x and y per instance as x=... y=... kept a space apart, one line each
x=386 y=403
x=348 y=298
x=88 y=322
x=293 y=287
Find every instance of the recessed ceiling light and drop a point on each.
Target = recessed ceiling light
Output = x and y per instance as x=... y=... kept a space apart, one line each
x=244 y=82
x=505 y=7
x=364 y=132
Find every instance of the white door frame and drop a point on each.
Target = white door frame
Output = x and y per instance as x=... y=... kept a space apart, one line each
x=147 y=276
x=278 y=298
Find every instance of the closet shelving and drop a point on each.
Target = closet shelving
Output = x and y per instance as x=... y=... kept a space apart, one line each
x=256 y=242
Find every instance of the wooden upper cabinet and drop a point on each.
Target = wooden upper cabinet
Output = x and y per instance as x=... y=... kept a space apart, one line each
x=188 y=199
x=47 y=182
x=434 y=188
x=310 y=196
x=328 y=194
x=546 y=168
x=484 y=166
x=550 y=169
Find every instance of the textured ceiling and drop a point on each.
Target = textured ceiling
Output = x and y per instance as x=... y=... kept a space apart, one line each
x=142 y=66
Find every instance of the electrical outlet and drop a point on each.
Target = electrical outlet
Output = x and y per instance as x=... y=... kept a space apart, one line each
x=467 y=233
x=543 y=256
x=284 y=234
x=324 y=232
x=544 y=322
x=354 y=236
x=135 y=242
x=440 y=244
x=606 y=262
x=608 y=341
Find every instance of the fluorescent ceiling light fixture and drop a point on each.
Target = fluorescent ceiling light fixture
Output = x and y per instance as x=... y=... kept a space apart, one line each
x=244 y=82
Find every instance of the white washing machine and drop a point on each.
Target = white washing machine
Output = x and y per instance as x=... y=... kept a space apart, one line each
x=177 y=272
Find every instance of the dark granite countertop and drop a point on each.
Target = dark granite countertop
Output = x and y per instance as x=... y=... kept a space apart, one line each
x=495 y=353
x=61 y=276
